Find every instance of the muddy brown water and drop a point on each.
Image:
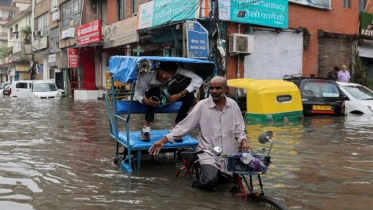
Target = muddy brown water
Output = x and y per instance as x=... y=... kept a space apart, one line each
x=57 y=154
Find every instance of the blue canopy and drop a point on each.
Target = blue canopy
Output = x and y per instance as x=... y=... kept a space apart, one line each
x=124 y=68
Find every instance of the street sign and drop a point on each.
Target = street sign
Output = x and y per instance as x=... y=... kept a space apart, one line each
x=197 y=40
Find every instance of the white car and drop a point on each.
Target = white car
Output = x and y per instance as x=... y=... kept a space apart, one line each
x=360 y=98
x=44 y=89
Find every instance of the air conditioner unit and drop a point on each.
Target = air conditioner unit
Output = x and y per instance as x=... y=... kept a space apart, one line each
x=241 y=43
x=37 y=33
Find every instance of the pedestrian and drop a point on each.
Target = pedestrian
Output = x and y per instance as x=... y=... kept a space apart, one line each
x=344 y=75
x=151 y=86
x=333 y=74
x=220 y=123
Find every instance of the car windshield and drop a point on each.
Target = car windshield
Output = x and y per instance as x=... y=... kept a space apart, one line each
x=44 y=87
x=325 y=89
x=2 y=86
x=359 y=92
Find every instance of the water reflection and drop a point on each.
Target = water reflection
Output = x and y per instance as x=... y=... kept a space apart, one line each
x=57 y=154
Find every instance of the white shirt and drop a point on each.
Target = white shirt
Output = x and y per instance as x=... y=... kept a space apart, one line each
x=216 y=128
x=149 y=80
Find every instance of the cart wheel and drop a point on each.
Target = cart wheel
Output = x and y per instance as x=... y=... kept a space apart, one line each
x=117 y=160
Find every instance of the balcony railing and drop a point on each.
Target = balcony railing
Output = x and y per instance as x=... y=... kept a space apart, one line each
x=6 y=18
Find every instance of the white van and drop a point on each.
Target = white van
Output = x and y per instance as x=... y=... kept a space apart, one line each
x=42 y=89
x=21 y=88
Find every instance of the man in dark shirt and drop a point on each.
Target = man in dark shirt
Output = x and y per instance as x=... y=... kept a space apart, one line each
x=334 y=73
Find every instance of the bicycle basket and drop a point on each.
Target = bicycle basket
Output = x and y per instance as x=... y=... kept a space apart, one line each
x=245 y=163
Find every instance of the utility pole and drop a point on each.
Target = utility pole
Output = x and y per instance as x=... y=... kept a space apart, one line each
x=216 y=36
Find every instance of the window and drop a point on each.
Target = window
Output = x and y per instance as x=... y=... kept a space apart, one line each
x=42 y=23
x=71 y=11
x=11 y=33
x=22 y=85
x=362 y=4
x=121 y=12
x=346 y=3
x=103 y=12
x=51 y=73
x=135 y=6
x=283 y=98
x=54 y=5
x=53 y=39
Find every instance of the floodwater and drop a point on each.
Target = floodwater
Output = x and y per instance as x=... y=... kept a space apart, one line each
x=57 y=154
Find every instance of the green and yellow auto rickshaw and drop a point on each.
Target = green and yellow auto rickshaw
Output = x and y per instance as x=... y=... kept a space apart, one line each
x=264 y=101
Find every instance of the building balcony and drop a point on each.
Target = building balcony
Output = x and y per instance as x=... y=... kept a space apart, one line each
x=3 y=36
x=4 y=20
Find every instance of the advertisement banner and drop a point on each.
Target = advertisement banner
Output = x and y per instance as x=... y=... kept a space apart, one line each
x=366 y=25
x=322 y=4
x=121 y=33
x=273 y=13
x=72 y=58
x=89 y=33
x=158 y=12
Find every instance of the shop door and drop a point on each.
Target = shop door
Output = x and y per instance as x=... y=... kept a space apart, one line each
x=59 y=80
x=87 y=59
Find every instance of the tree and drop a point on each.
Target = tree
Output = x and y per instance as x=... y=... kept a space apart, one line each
x=360 y=74
x=4 y=51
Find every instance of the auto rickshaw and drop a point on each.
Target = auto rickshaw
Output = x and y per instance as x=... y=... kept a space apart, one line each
x=264 y=101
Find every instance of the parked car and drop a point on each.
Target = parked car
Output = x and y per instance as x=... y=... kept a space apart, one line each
x=2 y=86
x=62 y=92
x=21 y=88
x=360 y=98
x=7 y=90
x=320 y=96
x=44 y=89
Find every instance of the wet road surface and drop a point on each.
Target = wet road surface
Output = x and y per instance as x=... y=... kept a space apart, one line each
x=57 y=154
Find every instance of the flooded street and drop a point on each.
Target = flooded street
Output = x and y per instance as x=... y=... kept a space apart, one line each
x=57 y=154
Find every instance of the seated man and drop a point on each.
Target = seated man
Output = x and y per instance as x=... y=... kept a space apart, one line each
x=150 y=85
x=220 y=123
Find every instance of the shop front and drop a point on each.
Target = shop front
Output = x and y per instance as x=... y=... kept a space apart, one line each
x=85 y=62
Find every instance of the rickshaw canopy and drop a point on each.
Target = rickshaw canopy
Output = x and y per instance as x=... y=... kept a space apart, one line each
x=124 y=68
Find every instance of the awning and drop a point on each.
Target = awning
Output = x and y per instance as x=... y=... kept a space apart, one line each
x=365 y=51
x=91 y=45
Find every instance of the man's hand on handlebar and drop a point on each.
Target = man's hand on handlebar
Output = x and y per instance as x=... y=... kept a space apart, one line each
x=244 y=145
x=157 y=146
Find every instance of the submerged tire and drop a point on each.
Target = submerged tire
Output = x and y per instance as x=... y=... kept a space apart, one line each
x=267 y=202
x=117 y=160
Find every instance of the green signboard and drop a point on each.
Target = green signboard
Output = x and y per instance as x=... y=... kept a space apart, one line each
x=159 y=12
x=273 y=13
x=366 y=25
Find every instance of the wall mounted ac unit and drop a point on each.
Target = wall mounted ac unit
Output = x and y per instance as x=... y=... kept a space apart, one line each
x=37 y=33
x=241 y=43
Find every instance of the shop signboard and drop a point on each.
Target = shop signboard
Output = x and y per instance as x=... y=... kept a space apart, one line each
x=272 y=13
x=159 y=12
x=121 y=33
x=366 y=25
x=72 y=58
x=88 y=33
x=197 y=40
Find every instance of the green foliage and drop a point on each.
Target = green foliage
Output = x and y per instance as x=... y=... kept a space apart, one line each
x=360 y=74
x=26 y=29
x=4 y=52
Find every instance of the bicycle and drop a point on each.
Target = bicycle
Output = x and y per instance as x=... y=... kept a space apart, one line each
x=242 y=166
